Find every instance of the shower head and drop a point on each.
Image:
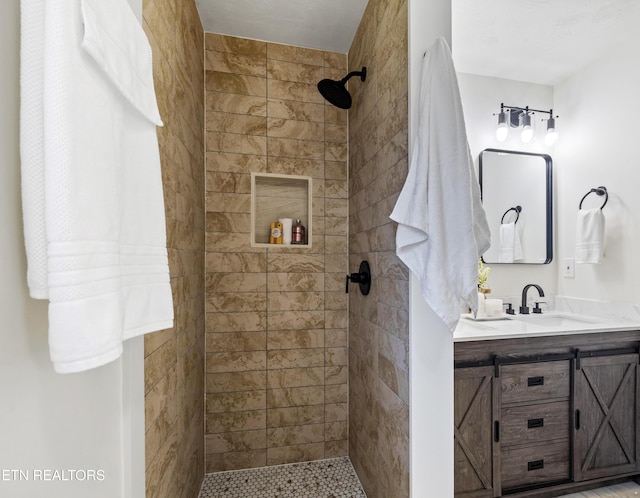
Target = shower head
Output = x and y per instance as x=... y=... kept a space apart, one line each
x=336 y=93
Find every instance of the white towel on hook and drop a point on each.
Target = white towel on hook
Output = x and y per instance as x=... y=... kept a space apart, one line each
x=510 y=244
x=589 y=236
x=442 y=227
x=105 y=265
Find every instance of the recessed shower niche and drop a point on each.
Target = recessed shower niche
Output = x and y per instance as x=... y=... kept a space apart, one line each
x=275 y=197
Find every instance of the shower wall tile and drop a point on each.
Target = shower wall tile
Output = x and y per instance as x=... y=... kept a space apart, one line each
x=174 y=358
x=378 y=344
x=276 y=361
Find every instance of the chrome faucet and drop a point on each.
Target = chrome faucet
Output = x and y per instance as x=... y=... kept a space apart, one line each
x=524 y=309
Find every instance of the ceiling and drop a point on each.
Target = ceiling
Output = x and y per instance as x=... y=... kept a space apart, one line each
x=539 y=41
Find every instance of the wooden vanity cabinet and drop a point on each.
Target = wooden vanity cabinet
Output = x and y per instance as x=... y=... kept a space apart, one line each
x=473 y=432
x=606 y=416
x=546 y=416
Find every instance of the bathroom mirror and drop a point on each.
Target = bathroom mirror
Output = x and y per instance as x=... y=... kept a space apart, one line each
x=517 y=197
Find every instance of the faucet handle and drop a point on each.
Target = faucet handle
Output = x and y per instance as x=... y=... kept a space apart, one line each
x=536 y=308
x=510 y=310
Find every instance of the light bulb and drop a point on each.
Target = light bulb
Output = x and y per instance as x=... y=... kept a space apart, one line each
x=502 y=131
x=526 y=135
x=552 y=135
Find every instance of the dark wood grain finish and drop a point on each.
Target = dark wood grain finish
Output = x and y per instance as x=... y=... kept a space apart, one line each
x=554 y=458
x=534 y=423
x=535 y=381
x=473 y=416
x=606 y=400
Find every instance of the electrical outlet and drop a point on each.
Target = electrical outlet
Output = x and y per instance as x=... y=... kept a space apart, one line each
x=569 y=268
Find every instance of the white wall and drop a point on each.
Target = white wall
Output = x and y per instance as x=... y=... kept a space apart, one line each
x=48 y=422
x=599 y=146
x=481 y=98
x=431 y=342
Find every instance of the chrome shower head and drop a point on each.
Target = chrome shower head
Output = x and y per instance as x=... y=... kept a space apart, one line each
x=336 y=93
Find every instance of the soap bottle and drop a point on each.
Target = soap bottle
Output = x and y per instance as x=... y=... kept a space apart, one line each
x=276 y=233
x=298 y=235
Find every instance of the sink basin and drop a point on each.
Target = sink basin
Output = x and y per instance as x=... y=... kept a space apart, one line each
x=557 y=319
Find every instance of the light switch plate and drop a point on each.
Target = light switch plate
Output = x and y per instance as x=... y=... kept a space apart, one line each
x=569 y=268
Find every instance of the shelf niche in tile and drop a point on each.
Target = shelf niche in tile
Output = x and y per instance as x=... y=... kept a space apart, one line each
x=279 y=196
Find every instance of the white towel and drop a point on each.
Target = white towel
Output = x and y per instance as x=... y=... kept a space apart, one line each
x=510 y=244
x=105 y=266
x=442 y=227
x=589 y=236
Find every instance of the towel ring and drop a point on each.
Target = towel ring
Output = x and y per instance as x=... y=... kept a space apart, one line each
x=517 y=209
x=599 y=191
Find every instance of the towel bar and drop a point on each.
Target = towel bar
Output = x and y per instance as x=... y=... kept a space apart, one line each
x=599 y=191
x=517 y=209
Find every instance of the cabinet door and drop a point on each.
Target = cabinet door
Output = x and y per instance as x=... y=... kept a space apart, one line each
x=473 y=432
x=606 y=411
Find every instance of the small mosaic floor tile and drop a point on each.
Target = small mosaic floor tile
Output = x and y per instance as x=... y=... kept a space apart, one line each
x=332 y=478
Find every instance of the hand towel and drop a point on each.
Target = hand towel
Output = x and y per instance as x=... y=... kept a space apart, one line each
x=590 y=236
x=442 y=227
x=510 y=244
x=106 y=264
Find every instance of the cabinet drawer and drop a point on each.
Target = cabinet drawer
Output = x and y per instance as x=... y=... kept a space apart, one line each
x=531 y=423
x=535 y=463
x=535 y=381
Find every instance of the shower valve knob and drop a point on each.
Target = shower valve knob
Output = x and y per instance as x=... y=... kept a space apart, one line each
x=363 y=277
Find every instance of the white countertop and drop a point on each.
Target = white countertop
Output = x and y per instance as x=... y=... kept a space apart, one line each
x=570 y=316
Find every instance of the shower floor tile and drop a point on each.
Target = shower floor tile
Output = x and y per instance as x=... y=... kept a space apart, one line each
x=332 y=478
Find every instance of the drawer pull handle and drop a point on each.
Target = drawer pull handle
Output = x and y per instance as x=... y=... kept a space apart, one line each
x=535 y=465
x=535 y=423
x=535 y=381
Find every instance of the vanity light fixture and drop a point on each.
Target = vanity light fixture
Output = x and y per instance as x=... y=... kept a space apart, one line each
x=520 y=117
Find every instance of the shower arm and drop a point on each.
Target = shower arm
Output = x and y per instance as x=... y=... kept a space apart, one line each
x=362 y=74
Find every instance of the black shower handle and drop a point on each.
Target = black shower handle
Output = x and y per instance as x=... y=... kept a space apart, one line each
x=363 y=277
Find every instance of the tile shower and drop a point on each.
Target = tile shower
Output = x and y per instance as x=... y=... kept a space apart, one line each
x=284 y=380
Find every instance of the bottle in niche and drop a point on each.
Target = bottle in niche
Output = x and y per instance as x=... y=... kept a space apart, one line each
x=298 y=233
x=276 y=233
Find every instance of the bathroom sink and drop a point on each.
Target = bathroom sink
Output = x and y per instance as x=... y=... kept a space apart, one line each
x=558 y=319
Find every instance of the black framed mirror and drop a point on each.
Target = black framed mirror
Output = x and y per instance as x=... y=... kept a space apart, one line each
x=517 y=196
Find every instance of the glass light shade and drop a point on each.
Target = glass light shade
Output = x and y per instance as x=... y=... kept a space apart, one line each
x=527 y=134
x=551 y=137
x=502 y=132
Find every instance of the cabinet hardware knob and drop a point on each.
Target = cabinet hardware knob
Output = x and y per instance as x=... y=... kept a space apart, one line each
x=535 y=465
x=535 y=381
x=535 y=423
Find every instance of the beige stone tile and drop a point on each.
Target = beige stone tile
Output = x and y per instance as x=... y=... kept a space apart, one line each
x=297 y=415
x=335 y=170
x=295 y=358
x=294 y=71
x=336 y=319
x=227 y=62
x=295 y=339
x=335 y=60
x=335 y=412
x=235 y=381
x=235 y=341
x=301 y=434
x=236 y=302
x=290 y=90
x=236 y=163
x=235 y=421
x=224 y=223
x=335 y=151
x=335 y=115
x=287 y=147
x=235 y=45
x=228 y=203
x=335 y=133
x=236 y=143
x=296 y=166
x=336 y=393
x=217 y=81
x=299 y=130
x=236 y=104
x=290 y=282
x=276 y=51
x=230 y=242
x=288 y=320
x=156 y=339
x=236 y=361
x=160 y=472
x=336 y=188
x=155 y=401
x=237 y=262
x=295 y=263
x=282 y=301
x=236 y=401
x=292 y=454
x=235 y=441
x=236 y=282
x=335 y=282
x=155 y=365
x=236 y=123
x=336 y=338
x=335 y=449
x=236 y=322
x=336 y=375
x=336 y=263
x=219 y=462
x=336 y=356
x=336 y=207
x=296 y=396
x=291 y=109
x=295 y=377
x=335 y=431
